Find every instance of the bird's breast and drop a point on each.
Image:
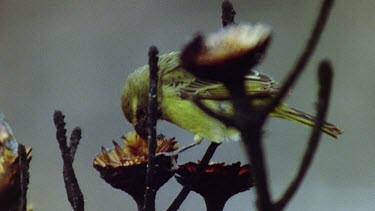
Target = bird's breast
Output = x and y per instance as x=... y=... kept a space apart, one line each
x=187 y=115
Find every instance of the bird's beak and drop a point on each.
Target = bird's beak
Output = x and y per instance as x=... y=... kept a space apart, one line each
x=141 y=130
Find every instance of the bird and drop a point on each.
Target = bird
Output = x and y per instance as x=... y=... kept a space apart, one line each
x=174 y=82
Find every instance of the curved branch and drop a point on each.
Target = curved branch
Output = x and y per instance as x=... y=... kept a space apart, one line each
x=304 y=57
x=325 y=74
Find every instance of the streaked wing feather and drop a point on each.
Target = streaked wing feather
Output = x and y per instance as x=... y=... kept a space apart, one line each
x=255 y=83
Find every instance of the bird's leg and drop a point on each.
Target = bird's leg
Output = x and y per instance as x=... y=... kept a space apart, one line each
x=173 y=155
x=197 y=140
x=177 y=151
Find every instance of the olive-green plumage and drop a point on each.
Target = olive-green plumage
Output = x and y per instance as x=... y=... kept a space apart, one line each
x=174 y=80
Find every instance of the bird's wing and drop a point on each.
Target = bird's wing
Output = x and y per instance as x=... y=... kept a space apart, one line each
x=172 y=75
x=255 y=83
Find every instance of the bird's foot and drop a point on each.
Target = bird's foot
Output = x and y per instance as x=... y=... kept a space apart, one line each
x=177 y=152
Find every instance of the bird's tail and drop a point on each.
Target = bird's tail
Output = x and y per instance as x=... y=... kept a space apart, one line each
x=286 y=112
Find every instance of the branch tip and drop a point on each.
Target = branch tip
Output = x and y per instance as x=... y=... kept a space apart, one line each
x=228 y=13
x=153 y=51
x=325 y=72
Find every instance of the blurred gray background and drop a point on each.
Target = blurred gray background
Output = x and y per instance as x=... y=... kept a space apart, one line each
x=76 y=55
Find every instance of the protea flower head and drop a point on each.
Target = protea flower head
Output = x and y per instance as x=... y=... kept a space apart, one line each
x=217 y=182
x=125 y=168
x=235 y=47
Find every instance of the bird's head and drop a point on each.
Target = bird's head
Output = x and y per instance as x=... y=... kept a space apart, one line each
x=134 y=100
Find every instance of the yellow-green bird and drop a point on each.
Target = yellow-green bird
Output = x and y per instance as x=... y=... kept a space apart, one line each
x=173 y=107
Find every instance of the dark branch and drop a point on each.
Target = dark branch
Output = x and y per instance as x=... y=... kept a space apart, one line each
x=250 y=123
x=74 y=141
x=73 y=190
x=24 y=176
x=304 y=57
x=149 y=204
x=252 y=140
x=325 y=75
x=228 y=13
x=186 y=189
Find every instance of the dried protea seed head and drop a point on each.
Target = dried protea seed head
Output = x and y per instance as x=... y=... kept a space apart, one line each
x=218 y=181
x=135 y=151
x=227 y=54
x=137 y=146
x=10 y=176
x=125 y=168
x=233 y=41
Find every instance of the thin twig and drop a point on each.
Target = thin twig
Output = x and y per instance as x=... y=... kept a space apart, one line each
x=304 y=57
x=24 y=177
x=149 y=204
x=325 y=83
x=187 y=188
x=73 y=190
